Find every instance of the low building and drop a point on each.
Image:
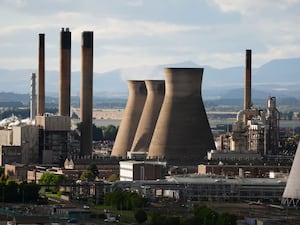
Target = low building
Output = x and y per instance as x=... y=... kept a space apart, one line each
x=209 y=188
x=16 y=171
x=10 y=154
x=141 y=170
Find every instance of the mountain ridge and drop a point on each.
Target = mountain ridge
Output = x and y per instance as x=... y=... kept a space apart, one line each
x=278 y=77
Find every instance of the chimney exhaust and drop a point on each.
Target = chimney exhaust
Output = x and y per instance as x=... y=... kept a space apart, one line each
x=247 y=90
x=65 y=73
x=41 y=76
x=86 y=93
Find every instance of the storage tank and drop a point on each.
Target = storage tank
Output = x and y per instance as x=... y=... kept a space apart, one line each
x=132 y=114
x=182 y=134
x=155 y=96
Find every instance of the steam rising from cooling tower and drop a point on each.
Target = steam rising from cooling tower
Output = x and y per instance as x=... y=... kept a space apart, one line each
x=130 y=120
x=41 y=75
x=65 y=72
x=86 y=93
x=144 y=132
x=182 y=134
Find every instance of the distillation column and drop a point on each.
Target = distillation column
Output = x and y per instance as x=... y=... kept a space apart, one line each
x=86 y=93
x=182 y=134
x=33 y=103
x=247 y=89
x=132 y=114
x=144 y=132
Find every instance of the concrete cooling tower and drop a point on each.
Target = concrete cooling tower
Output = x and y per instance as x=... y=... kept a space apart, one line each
x=132 y=114
x=144 y=132
x=291 y=194
x=182 y=134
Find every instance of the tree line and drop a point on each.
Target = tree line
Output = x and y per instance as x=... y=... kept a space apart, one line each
x=13 y=191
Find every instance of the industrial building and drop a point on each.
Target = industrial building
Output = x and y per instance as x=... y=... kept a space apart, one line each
x=142 y=170
x=255 y=130
x=209 y=188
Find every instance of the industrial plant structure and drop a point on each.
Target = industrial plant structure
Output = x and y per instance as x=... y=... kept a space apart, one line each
x=171 y=126
x=255 y=130
x=146 y=126
x=291 y=194
x=46 y=139
x=132 y=114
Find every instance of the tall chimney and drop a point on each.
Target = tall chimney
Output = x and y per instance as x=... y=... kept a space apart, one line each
x=247 y=90
x=41 y=76
x=33 y=103
x=144 y=132
x=65 y=72
x=182 y=134
x=131 y=117
x=86 y=93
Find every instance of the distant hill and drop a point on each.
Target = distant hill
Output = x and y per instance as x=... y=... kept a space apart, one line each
x=279 y=77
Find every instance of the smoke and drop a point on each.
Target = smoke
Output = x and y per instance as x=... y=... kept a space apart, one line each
x=143 y=73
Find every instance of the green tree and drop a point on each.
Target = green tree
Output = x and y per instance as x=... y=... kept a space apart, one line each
x=97 y=133
x=90 y=173
x=29 y=192
x=227 y=219
x=124 y=200
x=140 y=216
x=53 y=180
x=109 y=132
x=113 y=178
x=11 y=192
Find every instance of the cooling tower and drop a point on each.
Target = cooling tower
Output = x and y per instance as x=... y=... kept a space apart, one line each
x=291 y=194
x=144 y=132
x=86 y=93
x=41 y=76
x=132 y=114
x=65 y=73
x=182 y=134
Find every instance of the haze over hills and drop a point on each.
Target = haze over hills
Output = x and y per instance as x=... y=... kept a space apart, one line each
x=278 y=78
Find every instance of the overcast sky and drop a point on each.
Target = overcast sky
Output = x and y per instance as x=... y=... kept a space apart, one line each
x=129 y=33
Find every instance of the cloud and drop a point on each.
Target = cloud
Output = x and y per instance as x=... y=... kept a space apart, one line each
x=246 y=7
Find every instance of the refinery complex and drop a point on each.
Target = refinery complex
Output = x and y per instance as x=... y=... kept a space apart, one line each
x=164 y=142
